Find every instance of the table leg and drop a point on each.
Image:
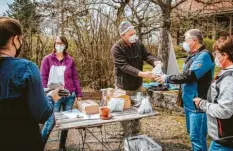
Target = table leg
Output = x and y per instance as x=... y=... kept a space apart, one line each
x=99 y=140
x=125 y=136
x=83 y=137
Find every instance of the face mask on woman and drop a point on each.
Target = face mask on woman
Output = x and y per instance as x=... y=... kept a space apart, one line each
x=217 y=62
x=60 y=48
x=18 y=50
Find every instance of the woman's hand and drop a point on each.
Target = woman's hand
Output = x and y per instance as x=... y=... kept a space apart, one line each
x=54 y=94
x=77 y=99
x=197 y=102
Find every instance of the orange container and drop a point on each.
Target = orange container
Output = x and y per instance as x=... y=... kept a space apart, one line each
x=104 y=111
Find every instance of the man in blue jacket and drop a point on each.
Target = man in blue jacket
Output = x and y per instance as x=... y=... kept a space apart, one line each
x=195 y=79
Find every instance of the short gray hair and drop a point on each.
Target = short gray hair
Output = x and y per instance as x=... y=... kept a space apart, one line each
x=194 y=33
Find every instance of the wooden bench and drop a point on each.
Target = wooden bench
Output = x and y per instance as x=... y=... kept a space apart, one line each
x=96 y=95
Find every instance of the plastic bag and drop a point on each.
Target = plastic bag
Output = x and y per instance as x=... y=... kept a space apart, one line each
x=116 y=104
x=56 y=76
x=145 y=106
x=119 y=92
x=137 y=99
x=157 y=70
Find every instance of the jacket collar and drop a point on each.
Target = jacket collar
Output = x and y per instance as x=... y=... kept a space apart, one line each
x=54 y=56
x=230 y=68
x=195 y=53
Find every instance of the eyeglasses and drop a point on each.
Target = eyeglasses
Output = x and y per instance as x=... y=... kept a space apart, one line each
x=190 y=38
x=59 y=43
x=216 y=54
x=187 y=39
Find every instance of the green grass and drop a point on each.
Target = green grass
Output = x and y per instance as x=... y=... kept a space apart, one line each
x=180 y=64
x=147 y=67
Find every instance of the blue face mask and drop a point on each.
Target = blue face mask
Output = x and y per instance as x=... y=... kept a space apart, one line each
x=186 y=47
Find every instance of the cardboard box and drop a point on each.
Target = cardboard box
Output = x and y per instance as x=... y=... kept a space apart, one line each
x=127 y=103
x=88 y=107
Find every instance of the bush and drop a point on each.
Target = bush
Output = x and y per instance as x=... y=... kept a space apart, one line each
x=180 y=53
x=208 y=43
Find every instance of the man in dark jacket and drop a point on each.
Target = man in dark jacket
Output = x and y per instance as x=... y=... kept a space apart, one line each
x=128 y=56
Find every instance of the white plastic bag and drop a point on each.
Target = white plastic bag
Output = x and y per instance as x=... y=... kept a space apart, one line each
x=145 y=106
x=119 y=92
x=116 y=104
x=157 y=70
x=56 y=76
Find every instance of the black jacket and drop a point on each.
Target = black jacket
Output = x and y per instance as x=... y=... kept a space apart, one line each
x=128 y=61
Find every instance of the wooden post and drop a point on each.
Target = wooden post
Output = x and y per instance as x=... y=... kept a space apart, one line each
x=230 y=29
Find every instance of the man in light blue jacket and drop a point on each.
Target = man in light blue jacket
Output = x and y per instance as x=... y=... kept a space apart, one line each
x=195 y=79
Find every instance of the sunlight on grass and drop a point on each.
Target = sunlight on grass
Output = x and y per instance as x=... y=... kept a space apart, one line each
x=180 y=64
x=147 y=67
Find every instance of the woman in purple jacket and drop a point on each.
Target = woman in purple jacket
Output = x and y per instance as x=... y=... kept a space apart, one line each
x=60 y=57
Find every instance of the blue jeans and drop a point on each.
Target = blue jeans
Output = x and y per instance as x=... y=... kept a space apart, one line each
x=196 y=124
x=217 y=147
x=65 y=103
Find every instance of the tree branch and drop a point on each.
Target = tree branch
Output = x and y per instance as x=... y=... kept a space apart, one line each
x=178 y=3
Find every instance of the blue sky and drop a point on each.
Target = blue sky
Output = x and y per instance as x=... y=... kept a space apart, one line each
x=3 y=5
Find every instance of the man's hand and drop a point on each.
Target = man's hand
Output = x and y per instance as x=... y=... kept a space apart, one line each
x=160 y=79
x=158 y=62
x=197 y=102
x=54 y=94
x=148 y=75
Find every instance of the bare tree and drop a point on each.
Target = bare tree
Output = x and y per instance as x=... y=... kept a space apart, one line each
x=144 y=15
x=120 y=9
x=166 y=7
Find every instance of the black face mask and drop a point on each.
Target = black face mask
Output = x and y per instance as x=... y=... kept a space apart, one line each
x=17 y=50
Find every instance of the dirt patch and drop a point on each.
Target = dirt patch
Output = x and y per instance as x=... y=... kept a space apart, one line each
x=167 y=129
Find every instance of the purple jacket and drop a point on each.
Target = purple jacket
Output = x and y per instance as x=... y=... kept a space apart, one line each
x=70 y=76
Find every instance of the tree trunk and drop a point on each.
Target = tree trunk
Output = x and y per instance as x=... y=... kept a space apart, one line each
x=164 y=46
x=139 y=33
x=120 y=11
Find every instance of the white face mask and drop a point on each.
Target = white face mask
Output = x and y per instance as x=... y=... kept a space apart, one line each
x=133 y=39
x=186 y=47
x=217 y=62
x=60 y=48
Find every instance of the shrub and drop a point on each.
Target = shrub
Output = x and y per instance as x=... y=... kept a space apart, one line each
x=208 y=43
x=180 y=53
